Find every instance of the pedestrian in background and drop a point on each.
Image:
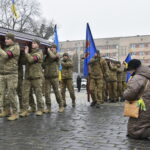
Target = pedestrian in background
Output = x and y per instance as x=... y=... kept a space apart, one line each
x=79 y=83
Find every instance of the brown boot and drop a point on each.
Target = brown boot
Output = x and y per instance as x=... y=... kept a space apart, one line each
x=61 y=109
x=13 y=117
x=24 y=114
x=47 y=110
x=7 y=112
x=39 y=113
x=2 y=114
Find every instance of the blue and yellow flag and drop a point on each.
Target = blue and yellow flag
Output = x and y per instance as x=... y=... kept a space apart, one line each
x=56 y=41
x=13 y=9
x=127 y=61
x=90 y=49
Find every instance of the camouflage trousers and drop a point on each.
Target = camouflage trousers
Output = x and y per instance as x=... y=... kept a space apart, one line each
x=54 y=83
x=19 y=91
x=96 y=89
x=124 y=86
x=8 y=86
x=67 y=83
x=36 y=86
x=112 y=88
x=119 y=89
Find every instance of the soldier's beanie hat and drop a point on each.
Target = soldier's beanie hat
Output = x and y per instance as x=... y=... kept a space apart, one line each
x=36 y=41
x=65 y=54
x=54 y=45
x=133 y=64
x=10 y=36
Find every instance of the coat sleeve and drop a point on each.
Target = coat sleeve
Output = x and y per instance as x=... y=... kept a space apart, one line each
x=105 y=69
x=92 y=61
x=112 y=67
x=34 y=58
x=3 y=54
x=134 y=87
x=67 y=64
x=11 y=53
x=52 y=55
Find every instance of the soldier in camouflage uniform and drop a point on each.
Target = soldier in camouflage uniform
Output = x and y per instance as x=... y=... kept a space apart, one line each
x=67 y=73
x=9 y=75
x=33 y=78
x=51 y=78
x=97 y=72
x=112 y=86
x=119 y=80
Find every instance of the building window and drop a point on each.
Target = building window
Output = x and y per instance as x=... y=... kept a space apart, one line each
x=137 y=45
x=141 y=45
x=141 y=53
x=133 y=46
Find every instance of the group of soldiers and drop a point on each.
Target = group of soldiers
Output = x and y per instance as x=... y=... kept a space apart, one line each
x=107 y=80
x=32 y=71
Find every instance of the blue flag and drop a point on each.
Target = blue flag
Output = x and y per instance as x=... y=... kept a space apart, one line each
x=56 y=41
x=89 y=51
x=127 y=61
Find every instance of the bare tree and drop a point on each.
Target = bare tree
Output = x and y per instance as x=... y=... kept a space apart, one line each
x=43 y=28
x=27 y=10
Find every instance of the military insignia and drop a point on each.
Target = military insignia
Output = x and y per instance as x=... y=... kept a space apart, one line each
x=87 y=44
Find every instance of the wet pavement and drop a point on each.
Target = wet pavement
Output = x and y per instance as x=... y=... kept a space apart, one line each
x=80 y=128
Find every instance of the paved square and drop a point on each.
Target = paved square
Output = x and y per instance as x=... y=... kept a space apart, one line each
x=80 y=128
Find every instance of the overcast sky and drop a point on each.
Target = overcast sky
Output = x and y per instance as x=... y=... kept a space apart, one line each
x=107 y=18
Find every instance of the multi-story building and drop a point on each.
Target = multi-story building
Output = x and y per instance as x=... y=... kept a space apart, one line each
x=116 y=47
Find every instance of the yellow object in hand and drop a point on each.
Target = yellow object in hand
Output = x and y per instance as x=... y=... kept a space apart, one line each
x=141 y=104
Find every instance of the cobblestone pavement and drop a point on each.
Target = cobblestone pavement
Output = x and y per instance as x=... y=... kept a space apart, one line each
x=80 y=128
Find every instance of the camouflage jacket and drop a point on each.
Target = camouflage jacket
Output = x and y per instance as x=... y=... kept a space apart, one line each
x=119 y=74
x=9 y=59
x=67 y=69
x=51 y=65
x=98 y=68
x=34 y=64
x=112 y=72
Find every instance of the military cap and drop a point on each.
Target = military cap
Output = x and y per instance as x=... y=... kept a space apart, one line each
x=10 y=36
x=65 y=54
x=36 y=41
x=53 y=45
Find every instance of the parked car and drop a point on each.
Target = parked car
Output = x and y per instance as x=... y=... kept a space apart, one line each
x=83 y=83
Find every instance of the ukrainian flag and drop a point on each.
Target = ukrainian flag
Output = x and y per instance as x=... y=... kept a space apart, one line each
x=13 y=9
x=56 y=41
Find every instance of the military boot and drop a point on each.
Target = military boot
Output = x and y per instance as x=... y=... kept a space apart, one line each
x=61 y=109
x=7 y=112
x=47 y=110
x=13 y=117
x=93 y=103
x=39 y=113
x=24 y=114
x=2 y=114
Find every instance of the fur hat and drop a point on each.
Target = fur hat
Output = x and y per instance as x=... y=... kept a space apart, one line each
x=133 y=64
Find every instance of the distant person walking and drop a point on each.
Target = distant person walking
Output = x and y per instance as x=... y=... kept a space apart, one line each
x=79 y=83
